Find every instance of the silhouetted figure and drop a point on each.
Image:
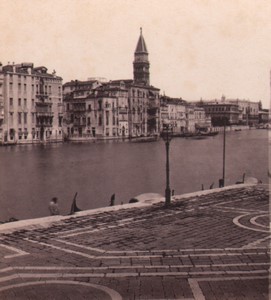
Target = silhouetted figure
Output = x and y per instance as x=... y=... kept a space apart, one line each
x=172 y=192
x=112 y=200
x=202 y=187
x=53 y=207
x=243 y=180
x=212 y=185
x=221 y=183
x=74 y=207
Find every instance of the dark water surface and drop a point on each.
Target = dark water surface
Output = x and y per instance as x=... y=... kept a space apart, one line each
x=31 y=175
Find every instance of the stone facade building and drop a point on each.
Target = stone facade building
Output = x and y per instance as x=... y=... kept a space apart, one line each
x=173 y=111
x=248 y=111
x=77 y=111
x=221 y=113
x=31 y=108
x=202 y=121
x=114 y=109
x=236 y=111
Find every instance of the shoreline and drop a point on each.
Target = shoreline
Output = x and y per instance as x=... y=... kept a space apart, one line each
x=125 y=139
x=29 y=198
x=48 y=220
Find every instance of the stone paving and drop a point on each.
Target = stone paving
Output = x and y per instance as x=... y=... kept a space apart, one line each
x=209 y=245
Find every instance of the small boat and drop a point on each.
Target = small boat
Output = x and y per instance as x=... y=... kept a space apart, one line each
x=74 y=207
x=238 y=129
x=143 y=139
x=198 y=137
x=202 y=135
x=211 y=133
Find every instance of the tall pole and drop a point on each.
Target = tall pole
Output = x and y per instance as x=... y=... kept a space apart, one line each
x=224 y=151
x=167 y=191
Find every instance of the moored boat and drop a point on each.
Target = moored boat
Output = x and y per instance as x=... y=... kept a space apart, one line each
x=143 y=139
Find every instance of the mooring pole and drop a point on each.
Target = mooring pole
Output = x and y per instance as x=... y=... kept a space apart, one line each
x=224 y=151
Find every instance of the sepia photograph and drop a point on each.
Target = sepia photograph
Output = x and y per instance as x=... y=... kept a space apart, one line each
x=134 y=149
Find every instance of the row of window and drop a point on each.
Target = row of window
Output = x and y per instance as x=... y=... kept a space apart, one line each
x=224 y=108
x=24 y=134
x=22 y=118
x=39 y=89
x=11 y=102
x=139 y=93
x=37 y=78
x=23 y=102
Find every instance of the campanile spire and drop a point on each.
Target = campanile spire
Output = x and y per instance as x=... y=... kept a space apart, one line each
x=141 y=62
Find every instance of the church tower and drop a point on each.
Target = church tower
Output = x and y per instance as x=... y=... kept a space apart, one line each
x=141 y=62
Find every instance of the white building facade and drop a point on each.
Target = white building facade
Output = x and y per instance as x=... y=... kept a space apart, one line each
x=31 y=108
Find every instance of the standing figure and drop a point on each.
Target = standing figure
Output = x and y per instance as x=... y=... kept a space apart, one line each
x=53 y=207
x=112 y=200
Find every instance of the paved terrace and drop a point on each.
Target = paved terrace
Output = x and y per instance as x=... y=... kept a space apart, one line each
x=208 y=245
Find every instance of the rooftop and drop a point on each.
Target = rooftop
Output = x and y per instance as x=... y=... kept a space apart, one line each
x=141 y=45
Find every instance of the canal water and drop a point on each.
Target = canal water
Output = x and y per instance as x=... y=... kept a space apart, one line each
x=31 y=175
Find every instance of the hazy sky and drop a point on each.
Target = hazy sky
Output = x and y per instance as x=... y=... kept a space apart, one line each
x=196 y=49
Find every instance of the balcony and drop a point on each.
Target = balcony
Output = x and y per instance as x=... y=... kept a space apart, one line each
x=44 y=114
x=44 y=111
x=42 y=96
x=79 y=108
x=79 y=123
x=123 y=110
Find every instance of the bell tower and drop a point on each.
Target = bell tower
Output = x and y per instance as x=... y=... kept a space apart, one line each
x=141 y=62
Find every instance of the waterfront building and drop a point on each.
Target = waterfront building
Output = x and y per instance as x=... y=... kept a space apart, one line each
x=202 y=121
x=107 y=111
x=173 y=110
x=143 y=108
x=31 y=108
x=143 y=98
x=77 y=86
x=221 y=113
x=248 y=111
x=264 y=116
x=95 y=109
x=190 y=118
x=114 y=109
x=75 y=94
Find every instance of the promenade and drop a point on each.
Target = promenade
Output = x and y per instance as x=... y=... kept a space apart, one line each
x=212 y=244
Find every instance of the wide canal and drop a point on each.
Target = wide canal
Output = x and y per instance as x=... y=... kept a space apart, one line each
x=31 y=175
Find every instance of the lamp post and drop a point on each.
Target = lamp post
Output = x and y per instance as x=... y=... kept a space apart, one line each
x=167 y=138
x=222 y=181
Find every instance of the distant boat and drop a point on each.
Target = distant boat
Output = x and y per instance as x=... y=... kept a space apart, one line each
x=144 y=139
x=199 y=137
x=203 y=135
x=147 y=197
x=211 y=133
x=263 y=126
x=238 y=129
